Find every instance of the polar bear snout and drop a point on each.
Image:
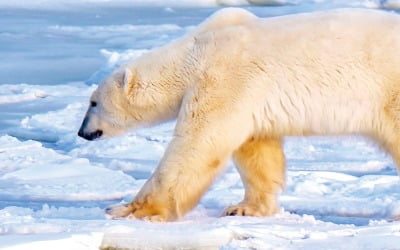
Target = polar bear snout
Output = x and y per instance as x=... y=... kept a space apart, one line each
x=89 y=135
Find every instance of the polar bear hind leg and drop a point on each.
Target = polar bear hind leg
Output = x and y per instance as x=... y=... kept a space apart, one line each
x=261 y=164
x=387 y=126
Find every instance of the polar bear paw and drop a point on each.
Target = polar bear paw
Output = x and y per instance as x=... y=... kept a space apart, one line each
x=245 y=209
x=136 y=210
x=118 y=211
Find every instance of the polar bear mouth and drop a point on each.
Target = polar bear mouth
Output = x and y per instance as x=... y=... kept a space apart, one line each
x=90 y=136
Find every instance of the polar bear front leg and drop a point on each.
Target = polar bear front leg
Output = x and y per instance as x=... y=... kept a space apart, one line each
x=183 y=175
x=261 y=164
x=204 y=140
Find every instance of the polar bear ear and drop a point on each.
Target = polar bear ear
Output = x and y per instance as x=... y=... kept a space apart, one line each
x=127 y=83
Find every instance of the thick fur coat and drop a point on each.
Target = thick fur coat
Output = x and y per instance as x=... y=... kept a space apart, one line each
x=237 y=85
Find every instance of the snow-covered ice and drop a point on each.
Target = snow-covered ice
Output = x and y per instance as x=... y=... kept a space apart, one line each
x=342 y=192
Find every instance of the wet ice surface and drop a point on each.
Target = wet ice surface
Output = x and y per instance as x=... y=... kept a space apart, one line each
x=342 y=192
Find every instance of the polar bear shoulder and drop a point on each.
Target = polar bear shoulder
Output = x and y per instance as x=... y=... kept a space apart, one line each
x=225 y=17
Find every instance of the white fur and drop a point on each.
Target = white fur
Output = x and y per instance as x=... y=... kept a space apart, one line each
x=238 y=84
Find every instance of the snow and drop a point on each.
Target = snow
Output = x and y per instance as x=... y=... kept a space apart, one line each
x=342 y=192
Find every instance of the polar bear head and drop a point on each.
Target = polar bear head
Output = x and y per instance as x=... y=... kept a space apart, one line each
x=107 y=114
x=129 y=98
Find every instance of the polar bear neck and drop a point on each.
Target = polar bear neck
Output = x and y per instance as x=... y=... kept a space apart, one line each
x=161 y=77
x=166 y=72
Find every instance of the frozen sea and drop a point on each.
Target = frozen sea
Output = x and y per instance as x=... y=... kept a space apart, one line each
x=342 y=192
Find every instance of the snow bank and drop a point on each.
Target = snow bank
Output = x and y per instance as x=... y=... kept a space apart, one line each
x=33 y=172
x=335 y=194
x=15 y=93
x=63 y=241
x=168 y=237
x=44 y=126
x=16 y=155
x=284 y=231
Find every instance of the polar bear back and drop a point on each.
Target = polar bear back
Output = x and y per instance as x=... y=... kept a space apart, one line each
x=318 y=73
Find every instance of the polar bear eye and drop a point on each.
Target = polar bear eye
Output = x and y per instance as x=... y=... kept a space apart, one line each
x=93 y=104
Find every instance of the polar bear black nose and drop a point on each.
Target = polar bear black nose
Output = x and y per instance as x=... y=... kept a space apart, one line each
x=90 y=136
x=80 y=133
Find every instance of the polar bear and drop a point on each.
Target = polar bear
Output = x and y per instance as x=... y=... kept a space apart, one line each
x=237 y=85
